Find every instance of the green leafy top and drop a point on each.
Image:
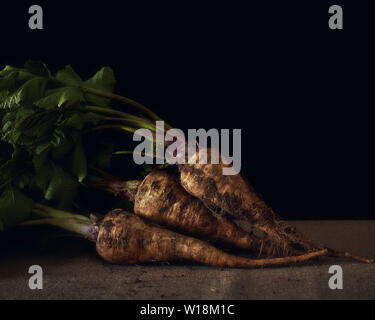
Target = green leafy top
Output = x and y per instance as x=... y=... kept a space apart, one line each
x=43 y=121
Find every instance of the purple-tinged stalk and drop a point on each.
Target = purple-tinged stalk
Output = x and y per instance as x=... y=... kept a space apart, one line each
x=78 y=224
x=123 y=189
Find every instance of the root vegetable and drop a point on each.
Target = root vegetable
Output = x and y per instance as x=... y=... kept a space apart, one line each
x=232 y=194
x=125 y=238
x=160 y=198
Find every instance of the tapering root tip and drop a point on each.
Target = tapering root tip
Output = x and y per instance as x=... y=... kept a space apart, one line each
x=284 y=260
x=339 y=254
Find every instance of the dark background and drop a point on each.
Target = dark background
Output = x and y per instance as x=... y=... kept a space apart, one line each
x=302 y=93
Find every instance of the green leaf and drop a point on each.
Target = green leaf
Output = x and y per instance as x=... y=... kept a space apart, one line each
x=15 y=208
x=12 y=167
x=31 y=91
x=75 y=121
x=68 y=77
x=30 y=128
x=42 y=148
x=38 y=68
x=8 y=84
x=66 y=96
x=58 y=136
x=8 y=70
x=12 y=122
x=21 y=75
x=52 y=138
x=78 y=120
x=62 y=188
x=7 y=125
x=3 y=95
x=62 y=150
x=9 y=100
x=57 y=185
x=79 y=161
x=103 y=80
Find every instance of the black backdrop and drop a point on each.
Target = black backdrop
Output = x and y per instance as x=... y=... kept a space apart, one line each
x=301 y=93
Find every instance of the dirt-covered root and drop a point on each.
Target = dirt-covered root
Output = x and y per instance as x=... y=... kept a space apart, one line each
x=161 y=199
x=232 y=194
x=124 y=238
x=282 y=231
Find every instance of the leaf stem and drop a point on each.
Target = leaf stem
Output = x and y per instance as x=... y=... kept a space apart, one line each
x=87 y=229
x=69 y=221
x=48 y=212
x=143 y=154
x=141 y=123
x=116 y=127
x=111 y=111
x=126 y=100
x=123 y=116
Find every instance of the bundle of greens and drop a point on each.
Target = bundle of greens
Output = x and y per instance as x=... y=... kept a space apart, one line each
x=43 y=120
